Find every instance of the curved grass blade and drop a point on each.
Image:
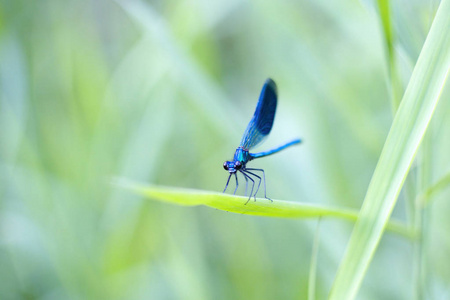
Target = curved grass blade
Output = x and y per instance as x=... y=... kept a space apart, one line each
x=410 y=123
x=425 y=198
x=236 y=204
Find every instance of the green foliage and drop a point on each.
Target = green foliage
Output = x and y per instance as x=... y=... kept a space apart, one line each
x=425 y=198
x=159 y=92
x=409 y=126
x=262 y=207
x=396 y=88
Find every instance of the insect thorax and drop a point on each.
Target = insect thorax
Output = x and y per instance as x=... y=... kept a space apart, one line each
x=241 y=155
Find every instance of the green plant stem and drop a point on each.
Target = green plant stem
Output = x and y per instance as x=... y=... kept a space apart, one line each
x=423 y=181
x=395 y=84
x=313 y=266
x=409 y=126
x=428 y=195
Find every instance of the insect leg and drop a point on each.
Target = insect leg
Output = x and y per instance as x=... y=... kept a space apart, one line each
x=237 y=184
x=228 y=181
x=259 y=183
x=246 y=185
x=253 y=185
x=264 y=177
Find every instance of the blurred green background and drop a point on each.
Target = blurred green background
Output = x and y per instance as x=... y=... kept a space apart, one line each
x=160 y=92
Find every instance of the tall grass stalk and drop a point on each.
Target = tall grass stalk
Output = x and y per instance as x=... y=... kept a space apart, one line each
x=409 y=126
x=395 y=85
x=313 y=266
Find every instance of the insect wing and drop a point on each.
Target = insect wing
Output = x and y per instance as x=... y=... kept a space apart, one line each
x=262 y=120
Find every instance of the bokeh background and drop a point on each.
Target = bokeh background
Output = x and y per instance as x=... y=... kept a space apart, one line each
x=160 y=92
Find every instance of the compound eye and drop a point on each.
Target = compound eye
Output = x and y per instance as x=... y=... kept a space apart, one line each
x=237 y=165
x=225 y=166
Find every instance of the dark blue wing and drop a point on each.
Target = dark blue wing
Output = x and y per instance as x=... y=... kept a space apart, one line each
x=262 y=121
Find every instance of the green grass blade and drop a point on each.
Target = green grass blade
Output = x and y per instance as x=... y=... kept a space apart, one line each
x=430 y=192
x=313 y=266
x=236 y=204
x=409 y=126
x=395 y=83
